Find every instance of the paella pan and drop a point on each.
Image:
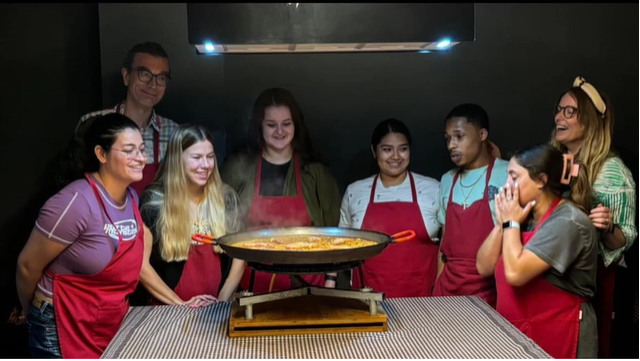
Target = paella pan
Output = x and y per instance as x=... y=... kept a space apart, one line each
x=305 y=245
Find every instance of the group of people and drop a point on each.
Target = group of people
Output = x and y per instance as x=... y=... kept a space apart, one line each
x=537 y=236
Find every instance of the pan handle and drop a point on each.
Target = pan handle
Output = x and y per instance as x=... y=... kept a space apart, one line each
x=203 y=238
x=403 y=236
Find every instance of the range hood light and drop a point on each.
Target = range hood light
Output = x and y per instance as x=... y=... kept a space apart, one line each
x=298 y=28
x=209 y=48
x=443 y=44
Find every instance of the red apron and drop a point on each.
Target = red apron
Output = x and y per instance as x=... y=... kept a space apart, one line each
x=90 y=308
x=603 y=304
x=540 y=310
x=277 y=211
x=405 y=269
x=149 y=170
x=201 y=274
x=464 y=232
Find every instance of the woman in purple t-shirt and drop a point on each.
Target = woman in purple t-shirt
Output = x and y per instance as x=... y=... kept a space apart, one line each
x=85 y=251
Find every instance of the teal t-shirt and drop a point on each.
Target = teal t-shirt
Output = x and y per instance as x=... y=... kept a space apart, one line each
x=472 y=192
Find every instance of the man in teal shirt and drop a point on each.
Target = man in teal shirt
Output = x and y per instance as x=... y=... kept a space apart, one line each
x=466 y=209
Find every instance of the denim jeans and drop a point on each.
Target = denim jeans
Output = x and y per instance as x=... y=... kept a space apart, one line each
x=43 y=334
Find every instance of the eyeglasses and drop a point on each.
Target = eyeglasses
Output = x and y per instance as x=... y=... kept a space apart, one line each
x=146 y=76
x=568 y=112
x=132 y=153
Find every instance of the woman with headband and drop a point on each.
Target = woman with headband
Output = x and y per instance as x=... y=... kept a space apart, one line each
x=584 y=126
x=543 y=256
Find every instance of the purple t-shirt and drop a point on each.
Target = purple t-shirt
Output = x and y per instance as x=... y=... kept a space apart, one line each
x=73 y=217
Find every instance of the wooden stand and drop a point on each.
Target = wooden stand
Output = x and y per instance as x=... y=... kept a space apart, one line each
x=306 y=315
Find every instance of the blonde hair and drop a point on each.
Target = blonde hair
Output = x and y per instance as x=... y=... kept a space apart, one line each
x=219 y=208
x=598 y=131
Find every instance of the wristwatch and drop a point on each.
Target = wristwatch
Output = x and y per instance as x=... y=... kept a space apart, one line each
x=330 y=278
x=510 y=224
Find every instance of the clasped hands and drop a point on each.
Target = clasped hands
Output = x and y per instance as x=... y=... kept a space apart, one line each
x=507 y=204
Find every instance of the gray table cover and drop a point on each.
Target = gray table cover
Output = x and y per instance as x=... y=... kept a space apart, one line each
x=432 y=327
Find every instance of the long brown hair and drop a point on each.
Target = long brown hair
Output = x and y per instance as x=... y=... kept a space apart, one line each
x=598 y=131
x=301 y=140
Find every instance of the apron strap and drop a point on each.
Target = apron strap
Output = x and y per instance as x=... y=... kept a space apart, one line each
x=546 y=215
x=296 y=169
x=414 y=195
x=297 y=173
x=256 y=190
x=453 y=184
x=488 y=176
x=104 y=209
x=373 y=189
x=156 y=145
x=413 y=188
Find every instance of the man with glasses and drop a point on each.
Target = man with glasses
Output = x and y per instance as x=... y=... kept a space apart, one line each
x=145 y=73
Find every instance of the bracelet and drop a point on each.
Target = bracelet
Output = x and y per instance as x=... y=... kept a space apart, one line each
x=330 y=278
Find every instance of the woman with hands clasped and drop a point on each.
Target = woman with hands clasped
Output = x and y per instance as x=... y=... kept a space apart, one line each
x=543 y=253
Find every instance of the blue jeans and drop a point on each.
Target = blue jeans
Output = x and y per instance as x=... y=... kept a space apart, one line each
x=43 y=334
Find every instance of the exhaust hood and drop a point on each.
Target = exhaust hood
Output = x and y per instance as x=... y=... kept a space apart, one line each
x=328 y=27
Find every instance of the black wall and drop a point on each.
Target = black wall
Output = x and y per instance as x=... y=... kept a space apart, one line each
x=50 y=76
x=61 y=61
x=524 y=57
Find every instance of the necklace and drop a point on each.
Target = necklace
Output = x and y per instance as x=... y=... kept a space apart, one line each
x=476 y=181
x=462 y=187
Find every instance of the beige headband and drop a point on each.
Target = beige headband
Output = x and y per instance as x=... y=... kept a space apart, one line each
x=593 y=94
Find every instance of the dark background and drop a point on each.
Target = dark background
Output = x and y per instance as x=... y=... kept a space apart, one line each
x=61 y=61
x=328 y=23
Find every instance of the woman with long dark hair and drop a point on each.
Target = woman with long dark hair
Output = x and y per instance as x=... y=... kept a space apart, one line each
x=392 y=201
x=543 y=256
x=281 y=181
